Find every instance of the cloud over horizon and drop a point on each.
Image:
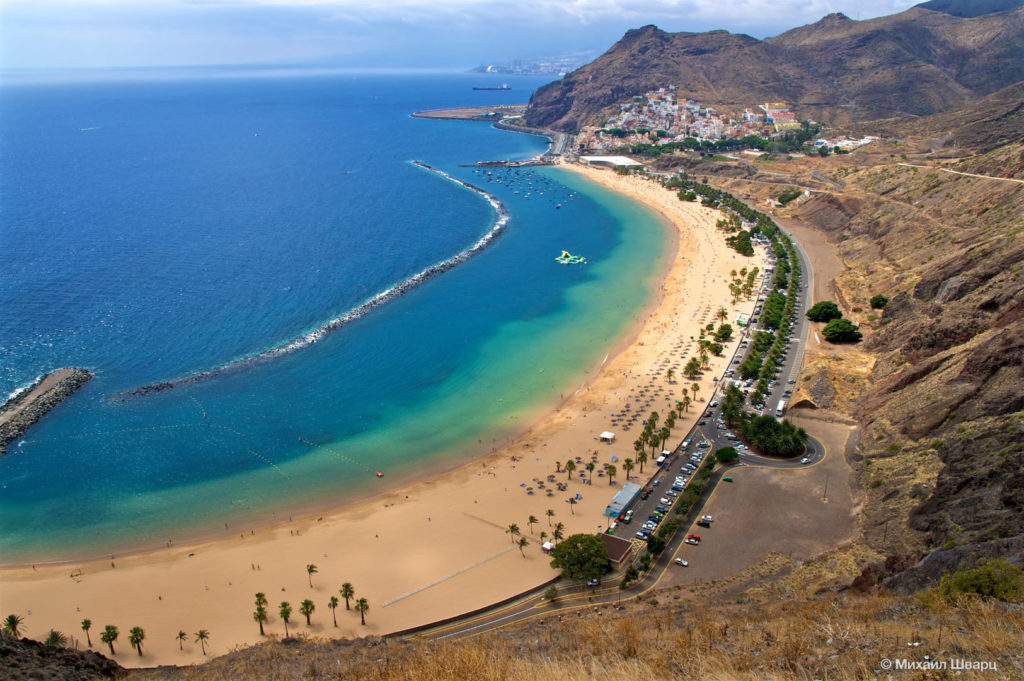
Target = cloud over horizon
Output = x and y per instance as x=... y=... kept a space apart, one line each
x=390 y=33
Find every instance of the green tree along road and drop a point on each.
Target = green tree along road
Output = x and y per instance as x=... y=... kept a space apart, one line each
x=825 y=311
x=580 y=556
x=841 y=331
x=727 y=455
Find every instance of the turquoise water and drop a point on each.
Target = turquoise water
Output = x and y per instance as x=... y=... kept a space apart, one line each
x=179 y=242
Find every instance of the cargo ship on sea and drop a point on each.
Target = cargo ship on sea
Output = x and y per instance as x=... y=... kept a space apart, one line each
x=504 y=86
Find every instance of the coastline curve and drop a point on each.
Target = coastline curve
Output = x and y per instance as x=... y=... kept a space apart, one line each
x=501 y=218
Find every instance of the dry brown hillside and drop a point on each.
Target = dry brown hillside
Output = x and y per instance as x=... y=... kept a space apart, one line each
x=837 y=70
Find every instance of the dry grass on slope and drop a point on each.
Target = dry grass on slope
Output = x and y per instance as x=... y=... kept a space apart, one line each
x=838 y=638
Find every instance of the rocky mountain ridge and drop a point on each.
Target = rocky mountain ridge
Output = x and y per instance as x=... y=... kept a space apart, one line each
x=837 y=70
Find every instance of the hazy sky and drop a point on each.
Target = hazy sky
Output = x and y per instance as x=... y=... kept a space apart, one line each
x=385 y=33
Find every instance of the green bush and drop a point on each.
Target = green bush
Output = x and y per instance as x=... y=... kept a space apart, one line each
x=825 y=311
x=580 y=556
x=727 y=455
x=879 y=301
x=993 y=578
x=786 y=197
x=841 y=331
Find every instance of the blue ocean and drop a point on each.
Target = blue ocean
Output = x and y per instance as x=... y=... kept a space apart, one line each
x=154 y=229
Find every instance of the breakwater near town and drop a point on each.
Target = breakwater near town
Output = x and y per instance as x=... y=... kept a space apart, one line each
x=27 y=406
x=501 y=218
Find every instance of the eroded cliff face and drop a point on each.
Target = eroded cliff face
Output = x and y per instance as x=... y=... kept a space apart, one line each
x=943 y=406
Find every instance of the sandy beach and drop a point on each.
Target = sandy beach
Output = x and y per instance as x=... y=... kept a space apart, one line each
x=434 y=548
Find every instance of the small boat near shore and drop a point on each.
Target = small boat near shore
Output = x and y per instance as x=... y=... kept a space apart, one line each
x=504 y=86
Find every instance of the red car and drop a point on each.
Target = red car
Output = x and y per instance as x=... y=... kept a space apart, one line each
x=693 y=536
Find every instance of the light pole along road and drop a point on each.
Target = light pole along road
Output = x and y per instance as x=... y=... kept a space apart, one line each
x=575 y=596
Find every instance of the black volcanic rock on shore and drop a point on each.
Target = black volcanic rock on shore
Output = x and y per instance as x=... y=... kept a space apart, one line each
x=837 y=70
x=27 y=659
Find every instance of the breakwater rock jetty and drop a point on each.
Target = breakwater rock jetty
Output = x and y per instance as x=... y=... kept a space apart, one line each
x=501 y=218
x=27 y=406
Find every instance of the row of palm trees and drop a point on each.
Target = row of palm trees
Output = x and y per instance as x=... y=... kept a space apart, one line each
x=136 y=635
x=308 y=607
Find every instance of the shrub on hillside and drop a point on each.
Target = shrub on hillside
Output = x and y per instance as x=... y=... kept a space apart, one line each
x=993 y=578
x=879 y=301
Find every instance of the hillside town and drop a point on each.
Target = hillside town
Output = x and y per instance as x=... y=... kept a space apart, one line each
x=659 y=117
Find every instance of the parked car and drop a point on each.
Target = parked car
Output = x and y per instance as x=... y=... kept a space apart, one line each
x=805 y=460
x=681 y=562
x=665 y=501
x=708 y=518
x=677 y=488
x=672 y=493
x=703 y=523
x=688 y=540
x=662 y=508
x=702 y=423
x=591 y=582
x=643 y=534
x=693 y=536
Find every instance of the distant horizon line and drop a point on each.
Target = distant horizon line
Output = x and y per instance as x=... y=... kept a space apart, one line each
x=55 y=74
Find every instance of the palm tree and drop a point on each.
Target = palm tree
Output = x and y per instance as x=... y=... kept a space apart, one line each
x=333 y=605
x=669 y=374
x=695 y=388
x=531 y=521
x=261 y=599
x=347 y=592
x=550 y=514
x=611 y=473
x=181 y=639
x=306 y=608
x=202 y=636
x=627 y=466
x=686 y=402
x=513 y=530
x=664 y=434
x=260 y=616
x=86 y=626
x=543 y=536
x=55 y=639
x=285 y=611
x=558 y=466
x=569 y=468
x=590 y=470
x=109 y=635
x=135 y=637
x=310 y=571
x=523 y=543
x=362 y=606
x=722 y=314
x=642 y=458
x=572 y=502
x=12 y=626
x=558 y=535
